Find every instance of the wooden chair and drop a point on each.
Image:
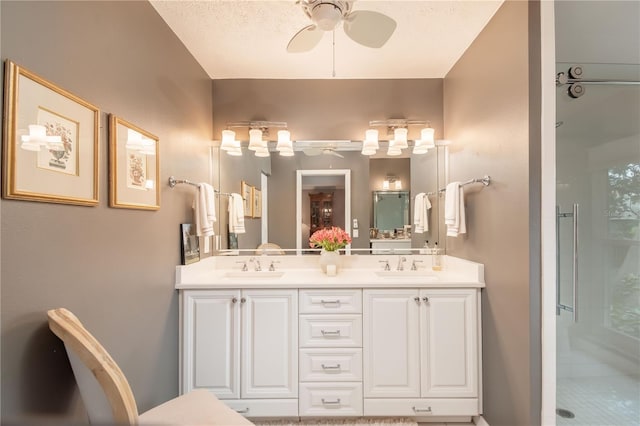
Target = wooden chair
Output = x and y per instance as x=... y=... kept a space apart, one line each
x=107 y=395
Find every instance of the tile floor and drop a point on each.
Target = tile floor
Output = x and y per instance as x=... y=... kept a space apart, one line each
x=595 y=392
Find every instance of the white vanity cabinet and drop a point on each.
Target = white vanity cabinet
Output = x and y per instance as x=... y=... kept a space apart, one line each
x=421 y=352
x=243 y=346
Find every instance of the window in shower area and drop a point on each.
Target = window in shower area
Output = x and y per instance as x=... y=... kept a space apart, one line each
x=623 y=232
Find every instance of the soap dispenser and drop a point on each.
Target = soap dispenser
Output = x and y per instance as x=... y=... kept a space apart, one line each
x=436 y=258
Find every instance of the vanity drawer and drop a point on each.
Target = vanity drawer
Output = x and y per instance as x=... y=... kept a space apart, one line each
x=330 y=331
x=330 y=399
x=330 y=365
x=330 y=301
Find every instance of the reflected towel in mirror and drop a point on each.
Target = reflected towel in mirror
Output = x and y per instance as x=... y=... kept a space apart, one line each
x=236 y=214
x=421 y=208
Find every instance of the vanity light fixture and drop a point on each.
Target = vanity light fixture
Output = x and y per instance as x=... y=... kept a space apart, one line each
x=398 y=131
x=390 y=179
x=284 y=146
x=258 y=131
x=37 y=139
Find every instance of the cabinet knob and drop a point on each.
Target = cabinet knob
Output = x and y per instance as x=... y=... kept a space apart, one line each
x=234 y=300
x=242 y=300
x=417 y=299
x=425 y=299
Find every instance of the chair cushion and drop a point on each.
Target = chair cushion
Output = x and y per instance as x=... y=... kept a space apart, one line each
x=198 y=407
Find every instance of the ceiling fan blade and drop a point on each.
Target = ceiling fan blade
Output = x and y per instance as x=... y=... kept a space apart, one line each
x=312 y=151
x=305 y=39
x=369 y=28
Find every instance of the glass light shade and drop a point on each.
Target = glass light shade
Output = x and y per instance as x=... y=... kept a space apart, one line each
x=228 y=139
x=37 y=131
x=37 y=138
x=255 y=139
x=27 y=145
x=398 y=184
x=286 y=152
x=368 y=151
x=385 y=184
x=420 y=149
x=393 y=149
x=262 y=152
x=426 y=137
x=236 y=150
x=400 y=137
x=284 y=141
x=371 y=138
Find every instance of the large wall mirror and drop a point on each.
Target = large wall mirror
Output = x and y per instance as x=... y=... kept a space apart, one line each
x=354 y=183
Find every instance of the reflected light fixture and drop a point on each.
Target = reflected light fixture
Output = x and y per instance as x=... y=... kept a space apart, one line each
x=391 y=179
x=38 y=139
x=370 y=144
x=398 y=132
x=284 y=146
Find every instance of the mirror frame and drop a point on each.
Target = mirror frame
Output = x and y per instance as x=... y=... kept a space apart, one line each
x=346 y=173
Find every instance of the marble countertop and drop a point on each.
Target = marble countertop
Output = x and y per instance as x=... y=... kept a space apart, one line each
x=356 y=271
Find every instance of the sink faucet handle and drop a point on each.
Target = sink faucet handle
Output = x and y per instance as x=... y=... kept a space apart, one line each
x=401 y=260
x=413 y=264
x=244 y=265
x=386 y=264
x=272 y=266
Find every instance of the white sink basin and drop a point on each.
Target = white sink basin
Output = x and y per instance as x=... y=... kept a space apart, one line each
x=254 y=274
x=421 y=274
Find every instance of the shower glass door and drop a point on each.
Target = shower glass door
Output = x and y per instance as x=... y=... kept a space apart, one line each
x=598 y=237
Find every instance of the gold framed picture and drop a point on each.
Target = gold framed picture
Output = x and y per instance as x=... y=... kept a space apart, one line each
x=246 y=191
x=257 y=203
x=50 y=143
x=134 y=166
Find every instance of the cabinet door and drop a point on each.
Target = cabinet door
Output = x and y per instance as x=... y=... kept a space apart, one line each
x=269 y=344
x=449 y=342
x=390 y=344
x=211 y=343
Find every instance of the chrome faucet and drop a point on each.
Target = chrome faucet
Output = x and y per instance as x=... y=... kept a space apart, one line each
x=414 y=267
x=272 y=266
x=386 y=264
x=244 y=265
x=258 y=267
x=401 y=260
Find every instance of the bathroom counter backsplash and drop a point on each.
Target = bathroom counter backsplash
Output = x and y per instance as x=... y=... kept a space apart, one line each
x=356 y=271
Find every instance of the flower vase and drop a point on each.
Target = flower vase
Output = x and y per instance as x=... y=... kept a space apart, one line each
x=329 y=258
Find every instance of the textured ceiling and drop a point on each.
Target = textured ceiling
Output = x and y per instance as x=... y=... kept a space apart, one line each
x=248 y=39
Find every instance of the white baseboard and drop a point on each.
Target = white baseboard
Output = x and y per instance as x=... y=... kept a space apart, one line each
x=480 y=421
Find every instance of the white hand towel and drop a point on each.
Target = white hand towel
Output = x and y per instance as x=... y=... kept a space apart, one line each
x=420 y=213
x=204 y=206
x=454 y=215
x=236 y=214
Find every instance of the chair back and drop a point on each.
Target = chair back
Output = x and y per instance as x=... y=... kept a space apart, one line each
x=104 y=388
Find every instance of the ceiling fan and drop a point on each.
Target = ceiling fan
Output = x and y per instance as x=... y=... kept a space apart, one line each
x=366 y=27
x=322 y=151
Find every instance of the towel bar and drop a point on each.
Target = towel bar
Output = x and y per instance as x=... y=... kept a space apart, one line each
x=485 y=180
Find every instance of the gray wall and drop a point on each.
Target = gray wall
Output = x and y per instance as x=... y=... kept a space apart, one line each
x=491 y=124
x=114 y=268
x=321 y=110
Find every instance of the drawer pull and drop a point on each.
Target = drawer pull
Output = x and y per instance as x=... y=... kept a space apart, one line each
x=330 y=302
x=243 y=411
x=331 y=367
x=422 y=410
x=330 y=333
x=329 y=402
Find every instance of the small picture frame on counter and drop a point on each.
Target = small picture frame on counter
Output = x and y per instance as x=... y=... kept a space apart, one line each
x=189 y=244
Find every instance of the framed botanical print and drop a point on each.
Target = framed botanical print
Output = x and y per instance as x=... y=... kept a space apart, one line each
x=134 y=166
x=257 y=203
x=50 y=142
x=246 y=191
